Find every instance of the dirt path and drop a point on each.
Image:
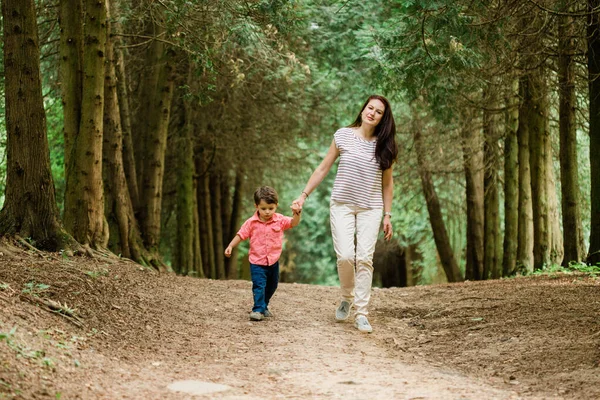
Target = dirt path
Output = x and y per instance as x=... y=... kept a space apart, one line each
x=300 y=353
x=144 y=332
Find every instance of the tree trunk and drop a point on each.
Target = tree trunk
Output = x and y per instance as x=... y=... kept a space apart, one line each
x=525 y=229
x=217 y=224
x=473 y=165
x=557 y=248
x=84 y=200
x=145 y=123
x=125 y=238
x=71 y=74
x=511 y=181
x=154 y=157
x=436 y=219
x=124 y=109
x=198 y=261
x=226 y=200
x=593 y=59
x=491 y=127
x=206 y=230
x=185 y=193
x=236 y=212
x=571 y=214
x=539 y=151
x=30 y=206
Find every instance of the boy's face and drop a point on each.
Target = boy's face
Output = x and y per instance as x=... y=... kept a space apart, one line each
x=265 y=210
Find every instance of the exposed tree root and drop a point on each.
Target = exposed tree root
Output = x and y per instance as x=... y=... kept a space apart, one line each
x=56 y=308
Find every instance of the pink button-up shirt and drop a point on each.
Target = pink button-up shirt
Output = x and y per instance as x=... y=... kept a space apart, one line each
x=266 y=238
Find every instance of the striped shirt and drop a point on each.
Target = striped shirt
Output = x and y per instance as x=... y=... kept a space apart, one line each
x=359 y=176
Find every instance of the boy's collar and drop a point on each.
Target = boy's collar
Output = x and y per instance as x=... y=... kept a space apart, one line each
x=257 y=217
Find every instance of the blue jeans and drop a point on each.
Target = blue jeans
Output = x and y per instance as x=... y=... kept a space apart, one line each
x=264 y=284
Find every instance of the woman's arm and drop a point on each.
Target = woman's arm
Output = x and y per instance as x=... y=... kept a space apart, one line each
x=319 y=174
x=388 y=196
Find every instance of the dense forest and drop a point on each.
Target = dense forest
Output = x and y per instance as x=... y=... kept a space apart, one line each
x=139 y=129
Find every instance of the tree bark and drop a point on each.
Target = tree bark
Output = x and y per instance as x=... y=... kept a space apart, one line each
x=436 y=219
x=217 y=224
x=125 y=238
x=206 y=230
x=84 y=201
x=30 y=207
x=525 y=229
x=593 y=62
x=539 y=151
x=571 y=213
x=154 y=157
x=226 y=200
x=145 y=122
x=236 y=212
x=198 y=260
x=491 y=127
x=185 y=192
x=511 y=181
x=474 y=167
x=71 y=74
x=124 y=109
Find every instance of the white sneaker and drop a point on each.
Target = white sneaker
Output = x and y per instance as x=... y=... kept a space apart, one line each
x=343 y=311
x=256 y=316
x=362 y=324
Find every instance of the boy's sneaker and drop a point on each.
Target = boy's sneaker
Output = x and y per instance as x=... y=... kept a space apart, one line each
x=256 y=316
x=343 y=311
x=268 y=314
x=362 y=324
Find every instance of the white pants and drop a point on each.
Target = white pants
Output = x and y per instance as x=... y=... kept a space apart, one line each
x=354 y=230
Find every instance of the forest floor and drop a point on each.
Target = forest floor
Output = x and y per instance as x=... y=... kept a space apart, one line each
x=82 y=328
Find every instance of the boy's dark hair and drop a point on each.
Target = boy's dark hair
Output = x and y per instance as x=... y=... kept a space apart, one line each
x=266 y=193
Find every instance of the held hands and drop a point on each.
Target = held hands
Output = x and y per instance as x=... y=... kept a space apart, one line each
x=296 y=209
x=228 y=251
x=298 y=203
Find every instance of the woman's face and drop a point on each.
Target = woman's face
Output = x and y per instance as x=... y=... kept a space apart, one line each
x=373 y=112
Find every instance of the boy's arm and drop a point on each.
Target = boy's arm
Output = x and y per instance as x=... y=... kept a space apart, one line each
x=297 y=210
x=234 y=242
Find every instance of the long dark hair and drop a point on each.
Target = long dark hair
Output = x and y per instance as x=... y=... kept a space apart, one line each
x=386 y=149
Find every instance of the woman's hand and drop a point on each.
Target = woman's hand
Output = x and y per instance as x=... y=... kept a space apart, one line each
x=387 y=227
x=296 y=208
x=298 y=203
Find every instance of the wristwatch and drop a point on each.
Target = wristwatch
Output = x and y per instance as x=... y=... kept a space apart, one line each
x=387 y=213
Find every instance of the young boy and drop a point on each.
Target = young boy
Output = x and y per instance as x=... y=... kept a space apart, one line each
x=265 y=231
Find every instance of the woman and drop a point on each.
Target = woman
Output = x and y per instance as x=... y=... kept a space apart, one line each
x=363 y=188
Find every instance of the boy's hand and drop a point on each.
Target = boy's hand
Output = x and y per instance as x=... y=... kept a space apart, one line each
x=296 y=208
x=228 y=251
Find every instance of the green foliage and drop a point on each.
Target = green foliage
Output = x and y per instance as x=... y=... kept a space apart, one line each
x=20 y=349
x=573 y=268
x=35 y=289
x=311 y=242
x=98 y=273
x=54 y=123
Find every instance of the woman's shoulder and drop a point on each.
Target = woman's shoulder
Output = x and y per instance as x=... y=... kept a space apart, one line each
x=344 y=132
